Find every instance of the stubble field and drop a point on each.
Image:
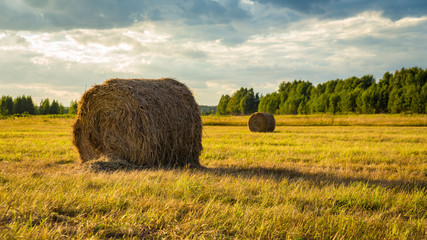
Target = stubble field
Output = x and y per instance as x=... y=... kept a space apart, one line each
x=314 y=177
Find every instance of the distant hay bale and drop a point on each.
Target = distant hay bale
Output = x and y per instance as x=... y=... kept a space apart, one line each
x=144 y=122
x=261 y=122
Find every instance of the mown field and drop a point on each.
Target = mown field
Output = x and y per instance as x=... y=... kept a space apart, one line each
x=314 y=177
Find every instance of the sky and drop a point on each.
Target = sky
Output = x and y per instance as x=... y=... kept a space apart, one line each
x=57 y=49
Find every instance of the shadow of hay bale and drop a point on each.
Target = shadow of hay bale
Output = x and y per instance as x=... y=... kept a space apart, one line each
x=107 y=165
x=140 y=122
x=319 y=179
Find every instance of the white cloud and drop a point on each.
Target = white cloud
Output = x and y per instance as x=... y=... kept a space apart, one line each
x=249 y=2
x=272 y=50
x=40 y=61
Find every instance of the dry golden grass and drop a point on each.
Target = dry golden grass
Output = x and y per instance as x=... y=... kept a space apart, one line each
x=299 y=182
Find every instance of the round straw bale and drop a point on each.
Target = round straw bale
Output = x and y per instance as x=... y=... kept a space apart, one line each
x=145 y=122
x=261 y=122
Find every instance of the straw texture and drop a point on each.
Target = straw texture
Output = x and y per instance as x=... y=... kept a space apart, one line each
x=144 y=122
x=261 y=122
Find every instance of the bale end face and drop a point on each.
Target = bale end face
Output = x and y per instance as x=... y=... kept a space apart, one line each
x=261 y=122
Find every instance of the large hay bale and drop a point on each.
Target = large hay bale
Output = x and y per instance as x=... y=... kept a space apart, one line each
x=145 y=122
x=261 y=122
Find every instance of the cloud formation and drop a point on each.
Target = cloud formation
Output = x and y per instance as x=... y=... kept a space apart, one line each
x=344 y=8
x=104 y=14
x=58 y=48
x=68 y=14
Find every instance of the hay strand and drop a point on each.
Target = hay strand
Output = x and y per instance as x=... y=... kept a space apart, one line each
x=261 y=122
x=145 y=122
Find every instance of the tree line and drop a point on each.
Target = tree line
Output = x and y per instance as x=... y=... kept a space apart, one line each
x=242 y=102
x=25 y=105
x=207 y=110
x=405 y=91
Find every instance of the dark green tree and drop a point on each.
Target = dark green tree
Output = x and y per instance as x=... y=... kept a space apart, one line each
x=23 y=104
x=249 y=103
x=29 y=106
x=383 y=93
x=61 y=109
x=73 y=107
x=221 y=109
x=318 y=100
x=44 y=107
x=6 y=105
x=303 y=108
x=367 y=101
x=292 y=94
x=423 y=98
x=233 y=106
x=333 y=103
x=269 y=103
x=404 y=91
x=54 y=107
x=18 y=107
